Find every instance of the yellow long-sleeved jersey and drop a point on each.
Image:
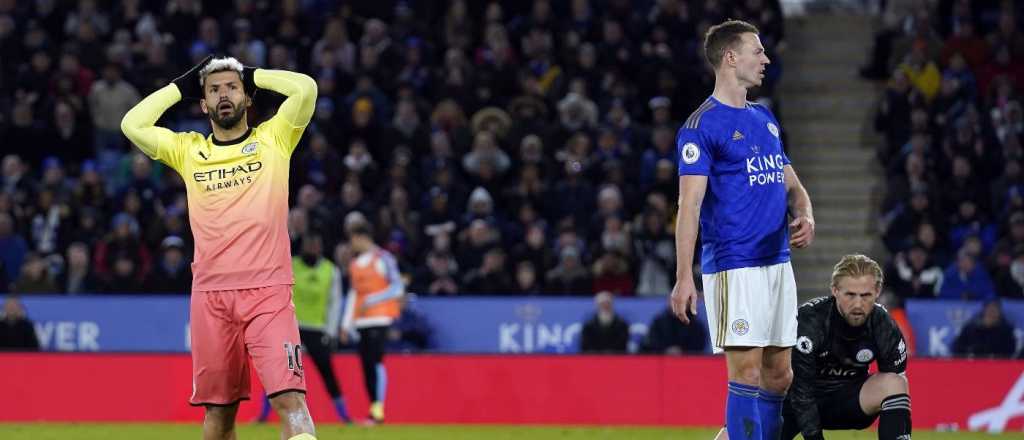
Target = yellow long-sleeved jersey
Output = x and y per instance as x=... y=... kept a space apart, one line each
x=237 y=192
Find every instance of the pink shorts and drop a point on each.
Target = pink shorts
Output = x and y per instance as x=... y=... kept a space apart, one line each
x=228 y=327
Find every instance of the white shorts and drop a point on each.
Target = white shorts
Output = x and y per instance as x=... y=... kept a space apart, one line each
x=751 y=307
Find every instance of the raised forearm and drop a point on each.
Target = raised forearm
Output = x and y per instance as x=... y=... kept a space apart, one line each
x=300 y=89
x=139 y=123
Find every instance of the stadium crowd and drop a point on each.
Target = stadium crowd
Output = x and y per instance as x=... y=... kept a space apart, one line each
x=500 y=147
x=952 y=122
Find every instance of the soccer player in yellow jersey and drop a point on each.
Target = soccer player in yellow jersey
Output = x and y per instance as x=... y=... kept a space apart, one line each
x=237 y=185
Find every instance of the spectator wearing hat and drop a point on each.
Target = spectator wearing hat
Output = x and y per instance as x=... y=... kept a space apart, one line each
x=55 y=180
x=661 y=111
x=480 y=206
x=438 y=216
x=476 y=240
x=486 y=158
x=77 y=276
x=605 y=332
x=362 y=124
x=172 y=272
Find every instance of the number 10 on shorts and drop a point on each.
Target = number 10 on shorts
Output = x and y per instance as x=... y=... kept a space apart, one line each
x=294 y=353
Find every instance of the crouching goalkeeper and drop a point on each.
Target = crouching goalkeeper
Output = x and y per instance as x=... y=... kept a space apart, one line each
x=839 y=336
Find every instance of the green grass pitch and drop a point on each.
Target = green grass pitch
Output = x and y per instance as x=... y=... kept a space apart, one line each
x=96 y=431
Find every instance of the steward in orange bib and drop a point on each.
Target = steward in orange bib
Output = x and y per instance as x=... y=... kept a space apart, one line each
x=373 y=302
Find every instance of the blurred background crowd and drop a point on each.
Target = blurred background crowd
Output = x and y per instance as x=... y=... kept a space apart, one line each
x=953 y=212
x=498 y=147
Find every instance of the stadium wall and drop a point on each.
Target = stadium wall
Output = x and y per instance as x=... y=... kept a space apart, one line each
x=525 y=389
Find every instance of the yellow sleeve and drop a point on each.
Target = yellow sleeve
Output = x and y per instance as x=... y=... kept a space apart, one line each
x=296 y=111
x=157 y=142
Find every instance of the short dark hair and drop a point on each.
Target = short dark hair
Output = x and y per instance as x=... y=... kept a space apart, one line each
x=722 y=37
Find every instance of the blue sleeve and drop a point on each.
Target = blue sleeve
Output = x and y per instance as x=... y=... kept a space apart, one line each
x=694 y=149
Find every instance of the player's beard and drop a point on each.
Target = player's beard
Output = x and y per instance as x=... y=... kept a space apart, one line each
x=228 y=121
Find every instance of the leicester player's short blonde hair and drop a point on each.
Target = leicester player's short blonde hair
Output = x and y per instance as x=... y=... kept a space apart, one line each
x=856 y=265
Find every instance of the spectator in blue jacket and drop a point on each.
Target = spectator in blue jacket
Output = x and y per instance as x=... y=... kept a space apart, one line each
x=966 y=279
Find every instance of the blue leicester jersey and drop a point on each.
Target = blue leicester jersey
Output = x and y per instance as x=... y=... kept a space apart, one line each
x=743 y=217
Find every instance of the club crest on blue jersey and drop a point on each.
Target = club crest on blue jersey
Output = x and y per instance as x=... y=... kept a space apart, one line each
x=690 y=153
x=773 y=129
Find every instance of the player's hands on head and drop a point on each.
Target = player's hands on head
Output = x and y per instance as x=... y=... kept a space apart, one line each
x=188 y=83
x=801 y=232
x=249 y=80
x=684 y=299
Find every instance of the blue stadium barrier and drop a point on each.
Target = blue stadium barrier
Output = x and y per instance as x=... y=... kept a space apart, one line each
x=937 y=322
x=109 y=323
x=460 y=325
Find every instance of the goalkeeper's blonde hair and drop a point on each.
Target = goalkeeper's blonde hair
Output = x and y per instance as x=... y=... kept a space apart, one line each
x=856 y=265
x=221 y=65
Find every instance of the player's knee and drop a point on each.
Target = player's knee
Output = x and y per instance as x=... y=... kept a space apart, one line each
x=290 y=401
x=777 y=379
x=221 y=418
x=892 y=383
x=748 y=375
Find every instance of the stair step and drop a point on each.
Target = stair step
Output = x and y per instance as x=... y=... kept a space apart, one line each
x=831 y=151
x=834 y=26
x=832 y=216
x=824 y=107
x=813 y=128
x=822 y=84
x=811 y=171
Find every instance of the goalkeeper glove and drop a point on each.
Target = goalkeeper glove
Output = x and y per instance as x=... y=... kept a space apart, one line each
x=188 y=83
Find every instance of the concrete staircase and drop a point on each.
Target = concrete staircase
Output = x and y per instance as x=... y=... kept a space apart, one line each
x=826 y=111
